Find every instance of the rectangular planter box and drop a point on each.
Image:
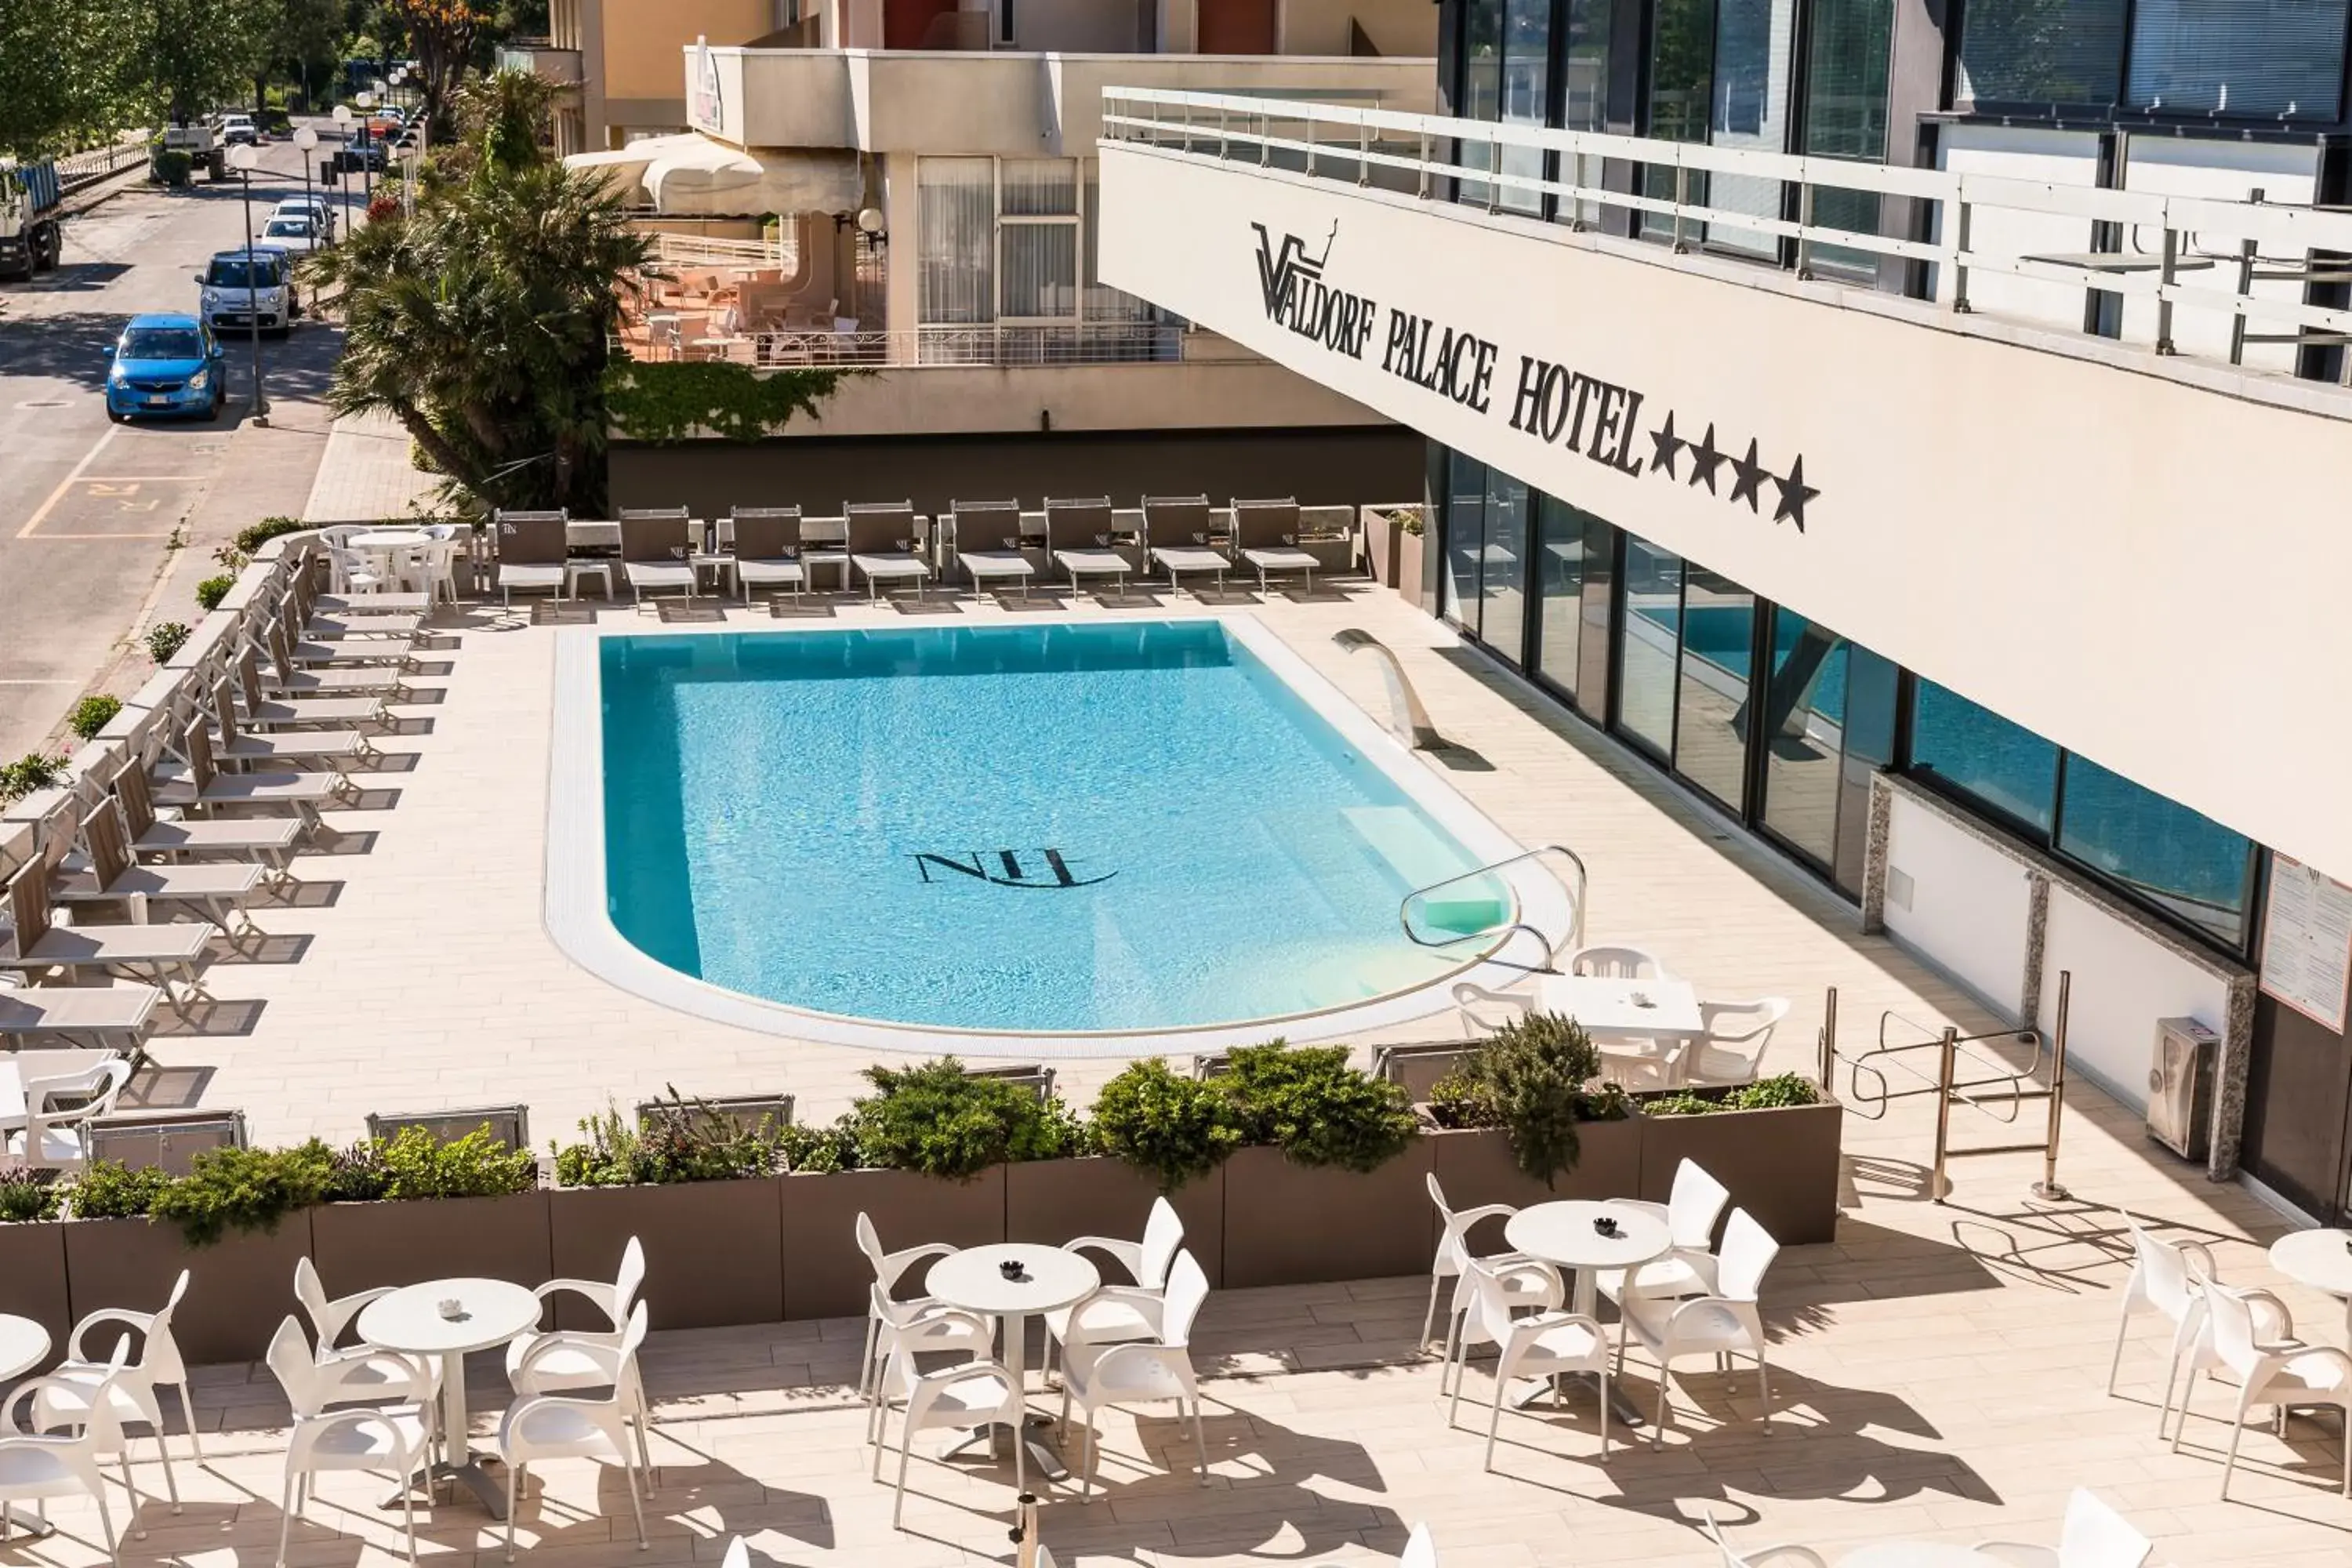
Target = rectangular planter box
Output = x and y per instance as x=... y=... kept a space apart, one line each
x=1051 y=1201
x=239 y=1289
x=1781 y=1165
x=714 y=1251
x=824 y=1274
x=1476 y=1167
x=1289 y=1224
x=32 y=1276
x=359 y=1246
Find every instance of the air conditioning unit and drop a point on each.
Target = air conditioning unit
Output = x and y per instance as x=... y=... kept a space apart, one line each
x=2180 y=1086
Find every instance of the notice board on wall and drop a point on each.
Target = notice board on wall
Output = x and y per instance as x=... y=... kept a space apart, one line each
x=2306 y=953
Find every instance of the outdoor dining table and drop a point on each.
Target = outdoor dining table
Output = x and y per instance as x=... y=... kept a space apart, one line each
x=24 y=1345
x=2320 y=1258
x=412 y=1322
x=1562 y=1234
x=1609 y=1008
x=973 y=1281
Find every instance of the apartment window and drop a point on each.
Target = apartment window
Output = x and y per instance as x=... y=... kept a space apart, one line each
x=1559 y=580
x=1845 y=117
x=955 y=222
x=1038 y=219
x=1584 y=67
x=1980 y=754
x=2042 y=52
x=1750 y=108
x=2175 y=858
x=2272 y=58
x=1010 y=242
x=1716 y=663
x=1649 y=643
x=1682 y=78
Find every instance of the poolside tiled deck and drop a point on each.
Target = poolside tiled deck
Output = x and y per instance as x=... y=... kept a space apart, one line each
x=1940 y=1371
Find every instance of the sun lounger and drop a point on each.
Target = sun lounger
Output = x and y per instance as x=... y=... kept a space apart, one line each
x=882 y=544
x=1177 y=528
x=533 y=547
x=1265 y=535
x=301 y=746
x=768 y=549
x=207 y=787
x=161 y=955
x=289 y=677
x=108 y=1016
x=656 y=551
x=264 y=712
x=329 y=624
x=1078 y=534
x=988 y=543
x=266 y=841
x=216 y=891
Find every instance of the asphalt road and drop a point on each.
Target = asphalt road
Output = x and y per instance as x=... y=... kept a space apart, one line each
x=89 y=510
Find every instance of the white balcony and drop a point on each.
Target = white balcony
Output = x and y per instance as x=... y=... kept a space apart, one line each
x=539 y=57
x=2133 y=552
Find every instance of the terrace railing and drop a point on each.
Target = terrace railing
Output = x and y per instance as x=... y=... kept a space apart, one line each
x=1002 y=345
x=1822 y=212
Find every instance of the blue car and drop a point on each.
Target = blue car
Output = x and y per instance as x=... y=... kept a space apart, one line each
x=166 y=362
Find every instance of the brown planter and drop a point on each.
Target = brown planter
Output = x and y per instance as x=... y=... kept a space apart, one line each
x=714 y=1251
x=1781 y=1166
x=1476 y=1167
x=1380 y=536
x=32 y=1276
x=1051 y=1201
x=239 y=1289
x=360 y=1246
x=824 y=1274
x=1408 y=565
x=1289 y=1224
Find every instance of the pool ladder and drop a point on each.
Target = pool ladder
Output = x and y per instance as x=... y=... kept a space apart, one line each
x=1575 y=938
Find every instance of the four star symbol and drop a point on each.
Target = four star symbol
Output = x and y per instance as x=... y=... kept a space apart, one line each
x=1749 y=473
x=1665 y=446
x=1705 y=459
x=1794 y=494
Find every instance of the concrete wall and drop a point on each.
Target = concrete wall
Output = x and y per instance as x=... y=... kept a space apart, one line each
x=986 y=399
x=2135 y=557
x=1329 y=467
x=643 y=37
x=1321 y=27
x=1953 y=897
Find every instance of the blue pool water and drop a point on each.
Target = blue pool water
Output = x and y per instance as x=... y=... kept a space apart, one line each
x=1033 y=828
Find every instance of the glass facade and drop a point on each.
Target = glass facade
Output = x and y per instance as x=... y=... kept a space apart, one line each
x=2171 y=857
x=1711 y=708
x=2283 y=60
x=1977 y=752
x=1845 y=116
x=1559 y=587
x=1650 y=635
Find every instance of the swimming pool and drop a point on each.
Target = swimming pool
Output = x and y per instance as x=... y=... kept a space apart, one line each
x=1066 y=829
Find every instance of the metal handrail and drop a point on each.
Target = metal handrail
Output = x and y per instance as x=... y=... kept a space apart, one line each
x=1576 y=904
x=1871 y=1103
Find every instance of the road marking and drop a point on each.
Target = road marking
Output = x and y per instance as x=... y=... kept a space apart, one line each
x=32 y=682
x=67 y=483
x=71 y=538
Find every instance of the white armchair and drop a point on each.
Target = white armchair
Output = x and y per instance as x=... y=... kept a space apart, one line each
x=975 y=1393
x=55 y=1134
x=2093 y=1536
x=74 y=1386
x=1760 y=1556
x=37 y=1465
x=2168 y=1277
x=2270 y=1365
x=1097 y=1376
x=1693 y=1205
x=1724 y=1322
x=1453 y=1255
x=889 y=1268
x=1733 y=1046
x=1546 y=1345
x=1109 y=1317
x=396 y=1440
x=565 y=1426
x=1617 y=963
x=556 y=1361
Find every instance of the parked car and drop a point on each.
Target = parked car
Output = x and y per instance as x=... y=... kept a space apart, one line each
x=294 y=233
x=238 y=130
x=318 y=209
x=242 y=294
x=166 y=362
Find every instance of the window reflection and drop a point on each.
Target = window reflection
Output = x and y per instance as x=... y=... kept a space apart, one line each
x=2177 y=859
x=1711 y=722
x=1980 y=753
x=1466 y=538
x=1559 y=577
x=1648 y=638
x=1502 y=621
x=1803 y=727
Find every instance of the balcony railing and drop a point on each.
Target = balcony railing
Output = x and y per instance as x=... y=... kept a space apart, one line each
x=542 y=59
x=2157 y=238
x=1001 y=346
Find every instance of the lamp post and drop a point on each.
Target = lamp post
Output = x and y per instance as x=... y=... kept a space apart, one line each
x=343 y=125
x=307 y=140
x=367 y=149
x=242 y=158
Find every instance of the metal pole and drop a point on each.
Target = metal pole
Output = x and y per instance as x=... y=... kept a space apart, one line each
x=253 y=301
x=2047 y=1188
x=1829 y=1041
x=1940 y=1186
x=1025 y=1532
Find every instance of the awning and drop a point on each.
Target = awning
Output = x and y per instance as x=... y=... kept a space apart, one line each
x=693 y=175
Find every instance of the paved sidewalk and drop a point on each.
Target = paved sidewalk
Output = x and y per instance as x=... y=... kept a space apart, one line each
x=366 y=476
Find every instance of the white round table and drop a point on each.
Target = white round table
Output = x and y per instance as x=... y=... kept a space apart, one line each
x=1915 y=1554
x=2320 y=1258
x=1561 y=1234
x=973 y=1281
x=490 y=1312
x=389 y=539
x=24 y=1345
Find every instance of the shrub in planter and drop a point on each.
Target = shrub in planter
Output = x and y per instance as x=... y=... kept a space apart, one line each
x=1777 y=1093
x=933 y=1119
x=1178 y=1128
x=213 y=589
x=819 y=1151
x=93 y=714
x=166 y=639
x=1533 y=1077
x=243 y=1189
x=683 y=1141
x=28 y=772
x=419 y=1165
x=29 y=1195
x=109 y=1190
x=1308 y=1102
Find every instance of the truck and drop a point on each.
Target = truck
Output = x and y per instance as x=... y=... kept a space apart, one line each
x=203 y=147
x=30 y=238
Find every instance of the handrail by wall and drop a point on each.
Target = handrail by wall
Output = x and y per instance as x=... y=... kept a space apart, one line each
x=1429 y=155
x=1575 y=937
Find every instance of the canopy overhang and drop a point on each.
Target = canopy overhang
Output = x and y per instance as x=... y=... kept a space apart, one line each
x=692 y=174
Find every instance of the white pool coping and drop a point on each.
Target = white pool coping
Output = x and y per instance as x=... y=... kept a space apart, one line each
x=578 y=919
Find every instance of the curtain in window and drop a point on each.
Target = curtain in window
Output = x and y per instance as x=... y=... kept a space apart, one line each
x=2042 y=51
x=1845 y=116
x=2266 y=57
x=1041 y=269
x=1041 y=187
x=1749 y=108
x=955 y=201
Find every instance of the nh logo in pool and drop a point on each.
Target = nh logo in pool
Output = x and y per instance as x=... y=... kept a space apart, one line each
x=1007 y=869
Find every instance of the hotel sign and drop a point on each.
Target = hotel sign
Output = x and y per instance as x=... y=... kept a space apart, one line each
x=1548 y=400
x=705 y=111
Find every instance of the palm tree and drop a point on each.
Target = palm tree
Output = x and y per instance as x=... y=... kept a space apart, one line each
x=480 y=321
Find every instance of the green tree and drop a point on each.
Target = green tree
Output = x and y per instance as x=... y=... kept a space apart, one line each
x=307 y=40
x=481 y=322
x=71 y=74
x=204 y=53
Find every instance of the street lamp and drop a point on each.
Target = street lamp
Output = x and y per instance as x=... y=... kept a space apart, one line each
x=343 y=127
x=242 y=158
x=367 y=149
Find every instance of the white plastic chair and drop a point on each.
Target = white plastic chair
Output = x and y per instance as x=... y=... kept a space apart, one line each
x=1454 y=1255
x=1109 y=1318
x=565 y=1360
x=976 y=1393
x=2272 y=1367
x=1760 y=1556
x=2093 y=1536
x=1098 y=1377
x=2166 y=1277
x=56 y=1136
x=1693 y=1205
x=1733 y=1047
x=1420 y=1549
x=396 y=1440
x=1617 y=963
x=361 y=1366
x=1723 y=1322
x=135 y=1384
x=888 y=1268
x=565 y=1426
x=1548 y=1344
x=36 y=1466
